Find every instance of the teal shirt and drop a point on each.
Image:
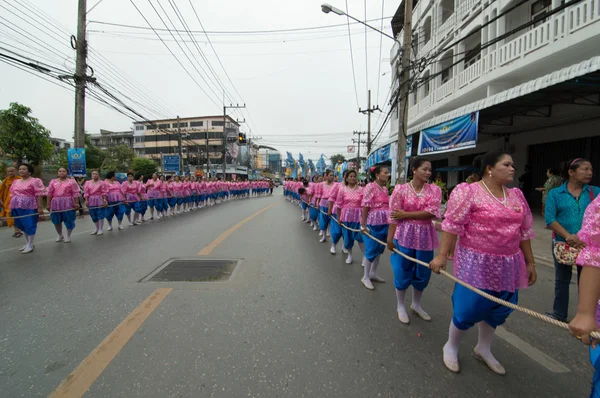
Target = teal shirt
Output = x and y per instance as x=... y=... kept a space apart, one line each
x=561 y=206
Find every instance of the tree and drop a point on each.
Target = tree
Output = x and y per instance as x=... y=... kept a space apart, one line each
x=23 y=137
x=118 y=158
x=144 y=166
x=94 y=156
x=339 y=158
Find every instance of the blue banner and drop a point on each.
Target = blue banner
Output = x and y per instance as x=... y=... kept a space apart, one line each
x=454 y=135
x=76 y=161
x=171 y=163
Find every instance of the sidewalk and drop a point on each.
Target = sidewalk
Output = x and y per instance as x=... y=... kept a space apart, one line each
x=542 y=244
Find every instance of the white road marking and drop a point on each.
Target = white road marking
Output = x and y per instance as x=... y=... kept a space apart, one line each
x=532 y=352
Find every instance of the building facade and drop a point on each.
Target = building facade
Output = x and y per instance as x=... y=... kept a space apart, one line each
x=528 y=68
x=202 y=139
x=107 y=139
x=60 y=144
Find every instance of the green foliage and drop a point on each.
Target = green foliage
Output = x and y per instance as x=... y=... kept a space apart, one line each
x=61 y=158
x=94 y=156
x=144 y=166
x=118 y=158
x=338 y=158
x=23 y=137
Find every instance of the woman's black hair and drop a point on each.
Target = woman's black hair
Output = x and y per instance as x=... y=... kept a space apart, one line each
x=305 y=183
x=374 y=170
x=29 y=167
x=417 y=162
x=130 y=174
x=167 y=178
x=347 y=174
x=553 y=170
x=110 y=174
x=327 y=172
x=301 y=191
x=481 y=162
x=573 y=164
x=137 y=176
x=61 y=167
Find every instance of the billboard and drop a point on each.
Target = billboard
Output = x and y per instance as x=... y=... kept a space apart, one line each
x=171 y=163
x=76 y=162
x=453 y=135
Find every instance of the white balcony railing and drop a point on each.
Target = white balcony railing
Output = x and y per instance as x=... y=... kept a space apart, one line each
x=468 y=7
x=446 y=29
x=556 y=28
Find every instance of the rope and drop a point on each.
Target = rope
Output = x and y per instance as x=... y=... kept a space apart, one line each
x=488 y=296
x=94 y=208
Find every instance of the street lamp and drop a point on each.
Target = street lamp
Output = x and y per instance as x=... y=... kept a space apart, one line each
x=404 y=77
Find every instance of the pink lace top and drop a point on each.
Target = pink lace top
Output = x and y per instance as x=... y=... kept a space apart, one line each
x=377 y=199
x=590 y=235
x=131 y=191
x=488 y=254
x=154 y=189
x=94 y=192
x=24 y=193
x=325 y=191
x=63 y=194
x=349 y=200
x=114 y=194
x=416 y=234
x=333 y=196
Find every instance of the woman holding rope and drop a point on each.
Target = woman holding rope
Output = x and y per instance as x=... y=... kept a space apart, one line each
x=494 y=228
x=94 y=193
x=115 y=201
x=26 y=204
x=313 y=211
x=62 y=196
x=324 y=219
x=131 y=192
x=375 y=214
x=349 y=211
x=335 y=228
x=587 y=318
x=413 y=206
x=155 y=196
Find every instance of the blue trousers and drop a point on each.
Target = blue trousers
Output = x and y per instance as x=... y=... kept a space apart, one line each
x=407 y=273
x=372 y=248
x=26 y=224
x=172 y=202
x=351 y=236
x=67 y=217
x=313 y=213
x=97 y=214
x=335 y=230
x=112 y=211
x=324 y=218
x=471 y=308
x=304 y=206
x=595 y=360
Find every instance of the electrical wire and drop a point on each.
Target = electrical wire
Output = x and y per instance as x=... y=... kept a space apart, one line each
x=380 y=49
x=352 y=58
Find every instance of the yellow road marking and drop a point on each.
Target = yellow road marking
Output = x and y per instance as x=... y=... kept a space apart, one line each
x=212 y=245
x=79 y=381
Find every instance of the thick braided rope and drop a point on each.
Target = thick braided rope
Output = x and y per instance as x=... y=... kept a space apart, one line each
x=496 y=300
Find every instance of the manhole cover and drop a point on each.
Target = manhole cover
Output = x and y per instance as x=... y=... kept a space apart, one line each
x=193 y=270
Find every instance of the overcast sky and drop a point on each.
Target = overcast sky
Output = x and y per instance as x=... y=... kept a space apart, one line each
x=298 y=86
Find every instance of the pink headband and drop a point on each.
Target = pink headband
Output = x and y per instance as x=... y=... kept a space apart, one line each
x=574 y=161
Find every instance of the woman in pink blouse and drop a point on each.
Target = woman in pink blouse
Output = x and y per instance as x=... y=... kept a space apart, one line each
x=374 y=219
x=313 y=212
x=155 y=196
x=413 y=206
x=324 y=219
x=187 y=193
x=143 y=207
x=335 y=229
x=94 y=193
x=131 y=192
x=349 y=211
x=26 y=202
x=164 y=195
x=587 y=318
x=494 y=227
x=62 y=196
x=114 y=197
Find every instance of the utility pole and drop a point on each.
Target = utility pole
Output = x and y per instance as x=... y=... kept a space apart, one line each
x=80 y=75
x=224 y=149
x=207 y=153
x=359 y=142
x=180 y=146
x=403 y=93
x=368 y=111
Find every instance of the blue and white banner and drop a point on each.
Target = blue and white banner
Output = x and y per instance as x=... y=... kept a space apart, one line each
x=453 y=135
x=76 y=162
x=171 y=163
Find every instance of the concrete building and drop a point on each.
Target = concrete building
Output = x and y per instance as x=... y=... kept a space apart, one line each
x=269 y=158
x=107 y=139
x=528 y=69
x=59 y=144
x=201 y=135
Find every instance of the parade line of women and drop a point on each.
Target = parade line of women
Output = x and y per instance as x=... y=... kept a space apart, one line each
x=107 y=199
x=488 y=225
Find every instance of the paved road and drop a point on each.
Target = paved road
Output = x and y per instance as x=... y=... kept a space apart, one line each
x=293 y=321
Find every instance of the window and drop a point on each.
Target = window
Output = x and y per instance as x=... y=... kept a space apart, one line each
x=197 y=124
x=539 y=9
x=473 y=56
x=217 y=123
x=151 y=127
x=139 y=139
x=139 y=127
x=181 y=124
x=164 y=126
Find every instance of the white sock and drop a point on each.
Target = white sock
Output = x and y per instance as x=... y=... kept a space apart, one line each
x=455 y=336
x=58 y=229
x=416 y=299
x=367 y=269
x=374 y=265
x=484 y=344
x=400 y=296
x=69 y=233
x=100 y=225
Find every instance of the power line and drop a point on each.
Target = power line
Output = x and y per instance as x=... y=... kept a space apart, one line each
x=352 y=57
x=380 y=48
x=366 y=53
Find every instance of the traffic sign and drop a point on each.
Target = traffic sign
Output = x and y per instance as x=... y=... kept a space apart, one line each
x=171 y=163
x=351 y=148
